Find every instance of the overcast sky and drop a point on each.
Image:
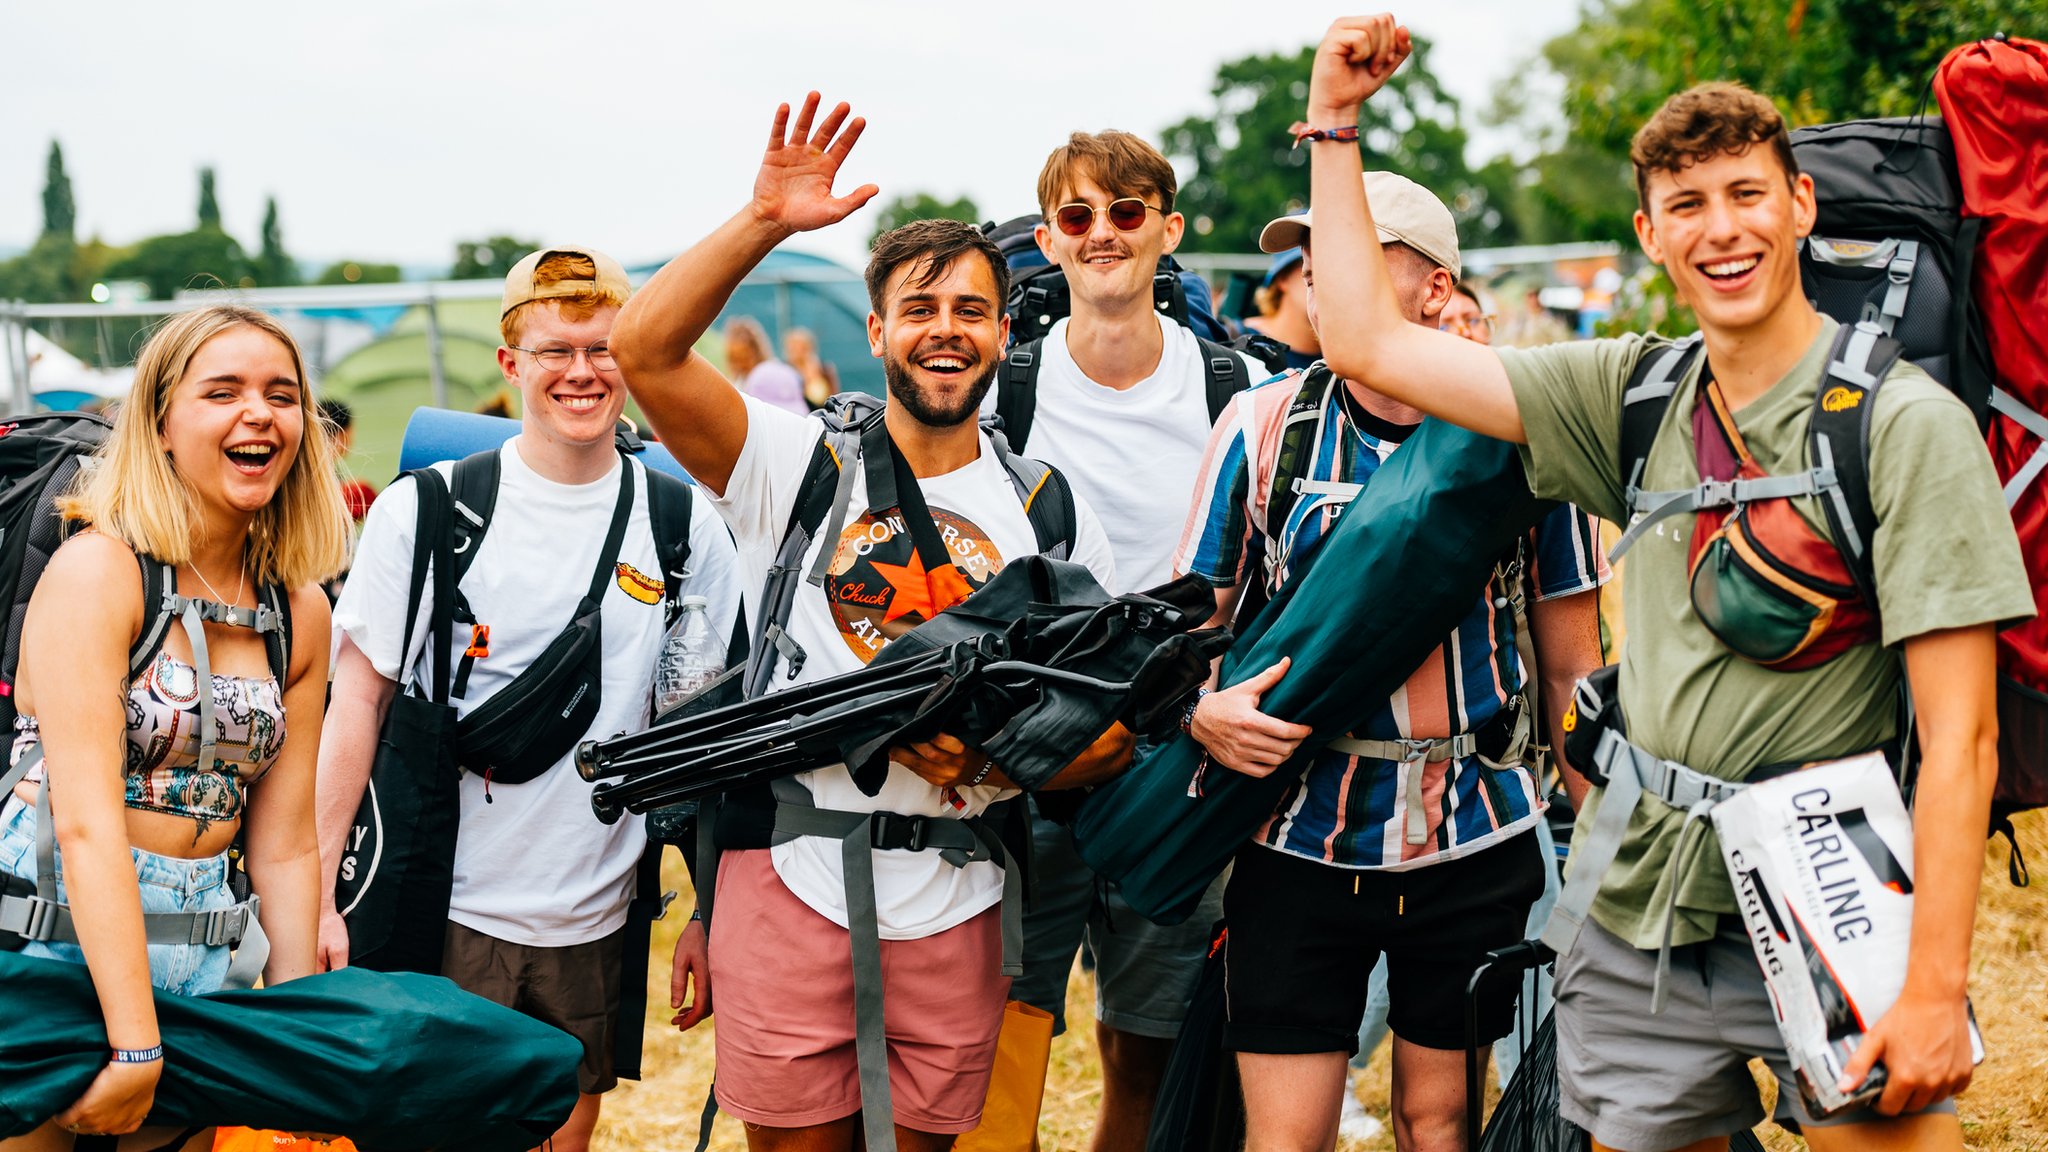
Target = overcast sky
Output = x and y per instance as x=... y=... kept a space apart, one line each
x=389 y=129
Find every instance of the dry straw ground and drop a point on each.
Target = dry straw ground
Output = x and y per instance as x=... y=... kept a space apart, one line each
x=2006 y=1110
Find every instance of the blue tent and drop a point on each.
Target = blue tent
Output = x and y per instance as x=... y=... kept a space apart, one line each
x=799 y=290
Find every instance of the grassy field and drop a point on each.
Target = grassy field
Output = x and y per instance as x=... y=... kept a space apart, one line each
x=2006 y=1110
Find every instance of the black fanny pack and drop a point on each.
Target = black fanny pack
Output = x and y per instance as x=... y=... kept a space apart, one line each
x=531 y=724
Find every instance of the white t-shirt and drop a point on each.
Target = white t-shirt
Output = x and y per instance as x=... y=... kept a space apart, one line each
x=870 y=597
x=534 y=865
x=1133 y=454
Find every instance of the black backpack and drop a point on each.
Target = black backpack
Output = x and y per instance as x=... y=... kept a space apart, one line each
x=1891 y=245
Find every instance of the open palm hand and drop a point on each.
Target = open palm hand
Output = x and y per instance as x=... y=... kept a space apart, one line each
x=794 y=187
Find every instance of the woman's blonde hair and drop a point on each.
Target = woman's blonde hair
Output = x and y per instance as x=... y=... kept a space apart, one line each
x=134 y=493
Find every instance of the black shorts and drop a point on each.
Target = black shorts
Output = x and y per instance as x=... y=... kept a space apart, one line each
x=1304 y=937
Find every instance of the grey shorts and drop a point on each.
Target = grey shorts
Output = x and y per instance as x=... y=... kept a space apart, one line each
x=1645 y=1081
x=574 y=988
x=1144 y=974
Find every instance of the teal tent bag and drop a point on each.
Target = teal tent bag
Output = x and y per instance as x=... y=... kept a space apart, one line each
x=395 y=1062
x=1400 y=568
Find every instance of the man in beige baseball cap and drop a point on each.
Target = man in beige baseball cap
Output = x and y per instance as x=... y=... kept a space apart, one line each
x=1376 y=823
x=538 y=911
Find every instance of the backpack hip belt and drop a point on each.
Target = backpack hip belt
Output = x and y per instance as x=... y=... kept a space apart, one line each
x=959 y=842
x=1632 y=773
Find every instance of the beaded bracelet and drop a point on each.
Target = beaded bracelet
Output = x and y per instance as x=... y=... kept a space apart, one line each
x=138 y=1055
x=1303 y=132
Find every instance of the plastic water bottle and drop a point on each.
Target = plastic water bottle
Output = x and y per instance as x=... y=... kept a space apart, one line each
x=690 y=657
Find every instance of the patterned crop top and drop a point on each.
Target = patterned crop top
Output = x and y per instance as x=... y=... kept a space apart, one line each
x=162 y=773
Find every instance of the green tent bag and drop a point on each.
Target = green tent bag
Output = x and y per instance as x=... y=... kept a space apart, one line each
x=394 y=1062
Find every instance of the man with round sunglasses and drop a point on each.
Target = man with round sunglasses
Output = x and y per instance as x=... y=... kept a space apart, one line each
x=1117 y=382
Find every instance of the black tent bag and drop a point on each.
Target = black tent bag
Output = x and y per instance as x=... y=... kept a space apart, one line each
x=1200 y=1107
x=398 y=863
x=1404 y=563
x=394 y=1062
x=530 y=724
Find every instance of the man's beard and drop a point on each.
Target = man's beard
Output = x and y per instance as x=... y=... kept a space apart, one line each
x=904 y=392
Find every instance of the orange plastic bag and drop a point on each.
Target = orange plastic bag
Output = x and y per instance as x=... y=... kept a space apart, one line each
x=263 y=1140
x=1016 y=1090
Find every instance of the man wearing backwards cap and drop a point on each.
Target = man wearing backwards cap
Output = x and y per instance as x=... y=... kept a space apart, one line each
x=536 y=920
x=1412 y=836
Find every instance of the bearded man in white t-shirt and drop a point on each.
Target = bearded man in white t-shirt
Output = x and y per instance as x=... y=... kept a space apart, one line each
x=780 y=943
x=537 y=918
x=1122 y=408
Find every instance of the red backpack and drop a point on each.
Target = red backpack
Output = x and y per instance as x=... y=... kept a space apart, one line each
x=1994 y=98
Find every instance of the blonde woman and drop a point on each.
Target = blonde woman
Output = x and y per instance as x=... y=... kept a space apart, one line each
x=215 y=473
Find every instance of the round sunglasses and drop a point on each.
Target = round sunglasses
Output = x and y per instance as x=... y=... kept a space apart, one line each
x=1125 y=215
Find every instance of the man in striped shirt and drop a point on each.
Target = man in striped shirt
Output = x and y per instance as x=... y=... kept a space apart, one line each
x=1412 y=836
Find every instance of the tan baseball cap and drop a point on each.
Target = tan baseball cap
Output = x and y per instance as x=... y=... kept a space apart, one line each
x=521 y=289
x=1404 y=211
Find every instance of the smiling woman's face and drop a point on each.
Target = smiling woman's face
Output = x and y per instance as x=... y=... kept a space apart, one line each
x=236 y=420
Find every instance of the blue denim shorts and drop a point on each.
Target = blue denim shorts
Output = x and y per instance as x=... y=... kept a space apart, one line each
x=168 y=884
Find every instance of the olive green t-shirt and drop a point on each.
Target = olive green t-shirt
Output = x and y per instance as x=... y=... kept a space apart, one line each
x=1945 y=554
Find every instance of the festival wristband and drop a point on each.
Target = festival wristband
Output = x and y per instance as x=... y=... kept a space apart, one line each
x=138 y=1055
x=1303 y=133
x=987 y=766
x=1187 y=714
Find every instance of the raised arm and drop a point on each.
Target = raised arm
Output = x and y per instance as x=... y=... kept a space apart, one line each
x=1364 y=335
x=697 y=413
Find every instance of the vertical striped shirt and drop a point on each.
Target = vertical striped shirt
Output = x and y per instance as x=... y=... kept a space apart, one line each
x=1248 y=523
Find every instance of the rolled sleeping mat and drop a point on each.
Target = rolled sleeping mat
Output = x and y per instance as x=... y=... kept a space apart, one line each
x=436 y=434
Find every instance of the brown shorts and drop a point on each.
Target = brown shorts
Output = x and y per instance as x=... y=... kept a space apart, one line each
x=575 y=989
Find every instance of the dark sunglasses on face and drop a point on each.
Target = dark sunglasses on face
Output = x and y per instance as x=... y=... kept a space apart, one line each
x=1125 y=215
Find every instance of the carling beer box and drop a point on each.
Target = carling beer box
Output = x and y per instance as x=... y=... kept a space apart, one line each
x=1822 y=862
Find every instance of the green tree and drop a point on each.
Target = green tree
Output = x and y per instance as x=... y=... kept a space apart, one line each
x=274 y=267
x=922 y=206
x=359 y=272
x=1820 y=60
x=201 y=258
x=489 y=259
x=209 y=207
x=60 y=212
x=1246 y=169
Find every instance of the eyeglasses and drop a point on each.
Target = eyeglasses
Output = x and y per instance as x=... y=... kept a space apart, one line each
x=557 y=358
x=1125 y=215
x=1477 y=328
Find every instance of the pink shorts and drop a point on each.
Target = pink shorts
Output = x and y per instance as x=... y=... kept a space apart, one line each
x=782 y=987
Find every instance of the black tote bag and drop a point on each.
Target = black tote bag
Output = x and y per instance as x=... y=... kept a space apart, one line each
x=398 y=865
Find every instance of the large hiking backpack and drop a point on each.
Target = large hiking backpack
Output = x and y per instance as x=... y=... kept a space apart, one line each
x=39 y=458
x=1994 y=99
x=1890 y=244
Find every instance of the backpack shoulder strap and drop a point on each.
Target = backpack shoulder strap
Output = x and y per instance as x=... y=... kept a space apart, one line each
x=1839 y=439
x=158 y=580
x=670 y=503
x=277 y=642
x=827 y=482
x=1643 y=403
x=1047 y=497
x=1224 y=374
x=1300 y=437
x=475 y=488
x=1017 y=391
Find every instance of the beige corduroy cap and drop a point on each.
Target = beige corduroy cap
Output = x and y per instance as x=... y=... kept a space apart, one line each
x=520 y=287
x=1404 y=211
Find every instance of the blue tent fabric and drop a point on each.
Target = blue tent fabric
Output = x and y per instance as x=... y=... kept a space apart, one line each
x=1400 y=568
x=396 y=1062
